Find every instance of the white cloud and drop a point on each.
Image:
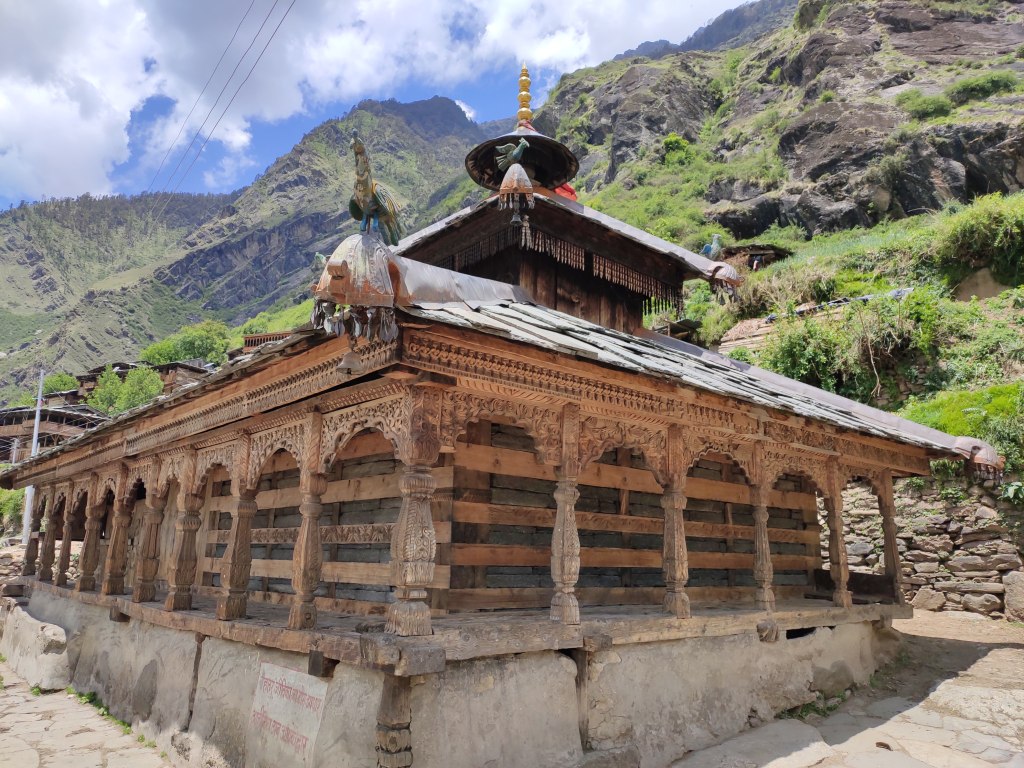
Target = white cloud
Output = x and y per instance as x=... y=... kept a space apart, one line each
x=72 y=73
x=470 y=112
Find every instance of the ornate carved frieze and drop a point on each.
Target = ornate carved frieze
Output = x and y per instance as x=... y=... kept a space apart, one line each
x=299 y=385
x=448 y=358
x=788 y=434
x=543 y=424
x=853 y=452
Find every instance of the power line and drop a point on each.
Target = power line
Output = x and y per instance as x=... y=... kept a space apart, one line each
x=230 y=102
x=213 y=106
x=200 y=96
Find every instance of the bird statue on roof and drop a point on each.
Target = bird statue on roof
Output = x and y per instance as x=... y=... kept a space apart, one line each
x=713 y=249
x=508 y=154
x=372 y=204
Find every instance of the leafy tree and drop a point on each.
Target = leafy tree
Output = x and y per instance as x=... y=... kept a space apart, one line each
x=12 y=503
x=113 y=395
x=208 y=340
x=59 y=382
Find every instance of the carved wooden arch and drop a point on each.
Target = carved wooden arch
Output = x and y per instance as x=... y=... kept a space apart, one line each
x=171 y=469
x=542 y=423
x=872 y=477
x=775 y=464
x=105 y=483
x=697 y=445
x=223 y=455
x=385 y=416
x=599 y=435
x=289 y=437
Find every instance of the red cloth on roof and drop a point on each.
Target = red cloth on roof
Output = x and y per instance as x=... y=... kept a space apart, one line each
x=566 y=190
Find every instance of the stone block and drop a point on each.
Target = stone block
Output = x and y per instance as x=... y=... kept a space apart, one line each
x=928 y=599
x=926 y=567
x=981 y=603
x=967 y=587
x=1013 y=583
x=36 y=650
x=917 y=556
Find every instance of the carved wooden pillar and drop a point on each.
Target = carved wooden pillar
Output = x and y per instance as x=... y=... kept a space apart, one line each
x=182 y=572
x=117 y=551
x=413 y=541
x=144 y=588
x=89 y=558
x=763 y=574
x=394 y=716
x=32 y=548
x=565 y=539
x=50 y=541
x=64 y=561
x=891 y=551
x=675 y=559
x=237 y=561
x=308 y=556
x=838 y=564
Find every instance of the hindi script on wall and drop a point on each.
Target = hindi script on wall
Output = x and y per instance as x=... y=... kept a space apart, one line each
x=286 y=712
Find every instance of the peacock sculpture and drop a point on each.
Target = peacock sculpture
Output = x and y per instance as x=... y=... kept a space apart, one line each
x=372 y=204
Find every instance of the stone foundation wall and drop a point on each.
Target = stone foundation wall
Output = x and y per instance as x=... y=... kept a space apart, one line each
x=642 y=704
x=960 y=545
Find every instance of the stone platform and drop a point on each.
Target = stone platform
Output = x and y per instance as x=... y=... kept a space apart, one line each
x=629 y=684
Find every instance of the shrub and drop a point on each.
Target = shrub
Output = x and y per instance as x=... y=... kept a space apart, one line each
x=989 y=232
x=922 y=107
x=981 y=87
x=1019 y=53
x=827 y=96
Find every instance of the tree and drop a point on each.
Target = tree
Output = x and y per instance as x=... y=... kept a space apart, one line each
x=113 y=395
x=59 y=382
x=208 y=340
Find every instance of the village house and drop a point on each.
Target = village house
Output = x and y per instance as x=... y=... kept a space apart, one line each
x=476 y=512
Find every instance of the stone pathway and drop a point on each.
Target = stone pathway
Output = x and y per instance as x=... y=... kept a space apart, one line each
x=953 y=699
x=55 y=730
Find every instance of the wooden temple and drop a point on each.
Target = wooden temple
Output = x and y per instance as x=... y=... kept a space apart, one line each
x=478 y=450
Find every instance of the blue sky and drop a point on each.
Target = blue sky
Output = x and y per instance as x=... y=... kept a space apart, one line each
x=94 y=95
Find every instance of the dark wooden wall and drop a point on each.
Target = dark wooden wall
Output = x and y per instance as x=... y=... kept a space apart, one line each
x=565 y=288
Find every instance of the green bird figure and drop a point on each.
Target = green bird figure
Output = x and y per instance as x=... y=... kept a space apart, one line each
x=510 y=153
x=372 y=204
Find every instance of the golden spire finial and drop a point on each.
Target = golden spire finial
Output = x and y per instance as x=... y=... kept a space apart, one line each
x=525 y=114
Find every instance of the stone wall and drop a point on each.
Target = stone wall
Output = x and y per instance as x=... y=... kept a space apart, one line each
x=640 y=704
x=960 y=545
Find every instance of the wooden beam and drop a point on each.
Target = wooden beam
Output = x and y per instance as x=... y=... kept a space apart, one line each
x=539 y=597
x=506 y=514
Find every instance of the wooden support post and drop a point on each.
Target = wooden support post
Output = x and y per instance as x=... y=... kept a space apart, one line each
x=237 y=561
x=565 y=539
x=144 y=588
x=182 y=573
x=117 y=551
x=64 y=562
x=32 y=548
x=413 y=541
x=891 y=551
x=675 y=559
x=49 y=542
x=838 y=565
x=394 y=716
x=308 y=555
x=763 y=574
x=89 y=557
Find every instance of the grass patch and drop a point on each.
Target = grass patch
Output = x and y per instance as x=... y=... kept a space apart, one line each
x=36 y=691
x=981 y=87
x=922 y=107
x=94 y=701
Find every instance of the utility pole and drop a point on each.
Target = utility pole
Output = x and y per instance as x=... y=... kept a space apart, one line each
x=30 y=492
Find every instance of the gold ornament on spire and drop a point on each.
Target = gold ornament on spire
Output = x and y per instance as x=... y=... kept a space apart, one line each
x=525 y=114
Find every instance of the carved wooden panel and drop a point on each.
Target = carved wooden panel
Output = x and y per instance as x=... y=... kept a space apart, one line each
x=223 y=455
x=385 y=416
x=543 y=424
x=598 y=435
x=290 y=438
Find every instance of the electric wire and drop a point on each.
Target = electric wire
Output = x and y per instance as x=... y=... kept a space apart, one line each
x=230 y=102
x=195 y=104
x=209 y=114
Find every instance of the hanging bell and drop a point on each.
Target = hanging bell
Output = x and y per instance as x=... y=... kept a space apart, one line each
x=516 y=192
